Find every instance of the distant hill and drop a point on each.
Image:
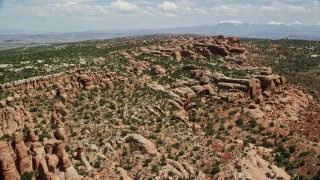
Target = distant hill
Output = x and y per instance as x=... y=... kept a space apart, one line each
x=233 y=28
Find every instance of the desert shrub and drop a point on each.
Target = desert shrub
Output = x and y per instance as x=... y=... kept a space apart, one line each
x=209 y=129
x=239 y=122
x=267 y=144
x=176 y=145
x=28 y=175
x=155 y=169
x=43 y=135
x=7 y=138
x=215 y=169
x=292 y=148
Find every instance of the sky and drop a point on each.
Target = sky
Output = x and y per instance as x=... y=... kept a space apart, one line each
x=82 y=15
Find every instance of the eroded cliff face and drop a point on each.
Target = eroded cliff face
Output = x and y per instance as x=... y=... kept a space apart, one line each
x=76 y=124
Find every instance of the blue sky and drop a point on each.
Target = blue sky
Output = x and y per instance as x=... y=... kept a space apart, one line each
x=80 y=15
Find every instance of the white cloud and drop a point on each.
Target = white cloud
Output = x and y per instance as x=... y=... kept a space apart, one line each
x=151 y=13
x=71 y=9
x=123 y=5
x=282 y=7
x=201 y=10
x=270 y=8
x=230 y=9
x=168 y=6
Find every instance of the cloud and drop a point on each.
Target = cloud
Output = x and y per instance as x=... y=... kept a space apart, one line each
x=201 y=10
x=317 y=3
x=71 y=9
x=168 y=6
x=123 y=5
x=230 y=9
x=283 y=7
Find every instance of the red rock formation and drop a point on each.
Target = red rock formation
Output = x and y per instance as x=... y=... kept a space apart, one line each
x=8 y=170
x=61 y=91
x=39 y=153
x=54 y=117
x=255 y=88
x=52 y=161
x=60 y=133
x=86 y=81
x=67 y=169
x=31 y=137
x=271 y=84
x=12 y=119
x=23 y=159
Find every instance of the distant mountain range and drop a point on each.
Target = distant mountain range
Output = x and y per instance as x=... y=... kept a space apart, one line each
x=272 y=30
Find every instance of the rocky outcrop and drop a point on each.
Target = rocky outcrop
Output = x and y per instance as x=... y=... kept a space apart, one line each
x=21 y=151
x=13 y=119
x=39 y=161
x=158 y=70
x=271 y=84
x=31 y=137
x=82 y=157
x=197 y=47
x=146 y=144
x=124 y=174
x=255 y=87
x=257 y=168
x=67 y=170
x=86 y=82
x=32 y=83
x=184 y=170
x=52 y=163
x=8 y=169
x=61 y=91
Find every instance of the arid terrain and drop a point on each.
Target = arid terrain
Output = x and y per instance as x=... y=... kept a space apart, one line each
x=161 y=107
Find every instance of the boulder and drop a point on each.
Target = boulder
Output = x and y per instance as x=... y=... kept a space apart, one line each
x=209 y=89
x=158 y=70
x=3 y=103
x=182 y=91
x=204 y=80
x=198 y=89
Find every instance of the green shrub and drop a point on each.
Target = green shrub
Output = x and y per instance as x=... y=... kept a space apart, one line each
x=239 y=122
x=28 y=175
